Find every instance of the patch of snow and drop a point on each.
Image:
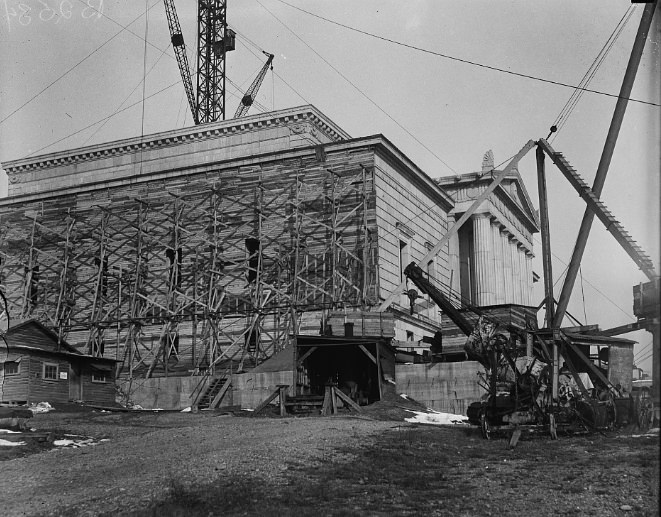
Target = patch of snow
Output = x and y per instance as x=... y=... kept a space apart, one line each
x=63 y=442
x=41 y=407
x=435 y=418
x=9 y=431
x=404 y=396
x=75 y=443
x=7 y=443
x=186 y=410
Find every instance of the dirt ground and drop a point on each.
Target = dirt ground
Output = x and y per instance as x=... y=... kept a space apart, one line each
x=372 y=464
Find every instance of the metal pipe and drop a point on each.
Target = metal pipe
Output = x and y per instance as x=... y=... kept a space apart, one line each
x=604 y=163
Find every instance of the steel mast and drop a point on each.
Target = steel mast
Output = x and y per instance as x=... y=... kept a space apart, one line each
x=214 y=40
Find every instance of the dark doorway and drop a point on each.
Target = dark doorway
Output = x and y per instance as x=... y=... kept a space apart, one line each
x=346 y=366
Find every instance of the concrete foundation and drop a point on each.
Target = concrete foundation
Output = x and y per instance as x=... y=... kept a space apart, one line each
x=620 y=360
x=161 y=392
x=248 y=390
x=447 y=387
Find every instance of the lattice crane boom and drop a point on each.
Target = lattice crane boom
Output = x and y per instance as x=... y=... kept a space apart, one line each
x=214 y=40
x=177 y=39
x=251 y=93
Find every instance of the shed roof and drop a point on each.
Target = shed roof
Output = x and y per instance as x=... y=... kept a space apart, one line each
x=32 y=336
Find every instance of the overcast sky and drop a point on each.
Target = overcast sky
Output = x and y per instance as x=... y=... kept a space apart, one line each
x=68 y=64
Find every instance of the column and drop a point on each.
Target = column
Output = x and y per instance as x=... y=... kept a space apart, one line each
x=507 y=267
x=482 y=245
x=498 y=262
x=516 y=272
x=523 y=281
x=529 y=257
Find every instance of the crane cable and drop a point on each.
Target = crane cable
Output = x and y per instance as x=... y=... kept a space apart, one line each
x=124 y=28
x=578 y=92
x=369 y=99
x=163 y=52
x=461 y=60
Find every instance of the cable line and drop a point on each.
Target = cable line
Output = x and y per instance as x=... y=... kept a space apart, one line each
x=642 y=350
x=575 y=97
x=460 y=60
x=124 y=28
x=127 y=97
x=243 y=36
x=101 y=120
x=357 y=89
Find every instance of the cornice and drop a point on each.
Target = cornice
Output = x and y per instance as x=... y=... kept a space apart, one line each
x=169 y=138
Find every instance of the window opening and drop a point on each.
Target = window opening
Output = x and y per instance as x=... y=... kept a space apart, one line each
x=99 y=376
x=104 y=274
x=403 y=258
x=50 y=372
x=12 y=368
x=175 y=260
x=252 y=250
x=33 y=286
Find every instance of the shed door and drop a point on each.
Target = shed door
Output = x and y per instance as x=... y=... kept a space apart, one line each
x=75 y=382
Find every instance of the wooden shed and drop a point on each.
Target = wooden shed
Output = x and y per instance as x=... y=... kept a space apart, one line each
x=34 y=368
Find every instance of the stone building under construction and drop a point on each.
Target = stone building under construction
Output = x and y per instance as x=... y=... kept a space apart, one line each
x=205 y=251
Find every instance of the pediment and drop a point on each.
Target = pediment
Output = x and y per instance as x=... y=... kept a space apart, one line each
x=515 y=189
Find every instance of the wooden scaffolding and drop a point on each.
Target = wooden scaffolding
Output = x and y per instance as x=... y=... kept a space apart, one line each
x=192 y=275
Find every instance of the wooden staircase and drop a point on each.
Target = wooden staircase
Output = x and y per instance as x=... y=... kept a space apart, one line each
x=213 y=394
x=632 y=248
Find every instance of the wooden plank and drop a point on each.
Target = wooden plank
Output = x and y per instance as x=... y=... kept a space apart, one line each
x=283 y=396
x=368 y=353
x=306 y=355
x=379 y=373
x=347 y=400
x=573 y=371
x=216 y=400
x=326 y=407
x=267 y=401
x=591 y=365
x=333 y=400
x=515 y=437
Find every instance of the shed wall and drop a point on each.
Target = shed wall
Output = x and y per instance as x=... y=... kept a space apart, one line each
x=15 y=388
x=45 y=390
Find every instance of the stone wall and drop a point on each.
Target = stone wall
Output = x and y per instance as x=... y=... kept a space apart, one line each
x=447 y=387
x=249 y=390
x=161 y=393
